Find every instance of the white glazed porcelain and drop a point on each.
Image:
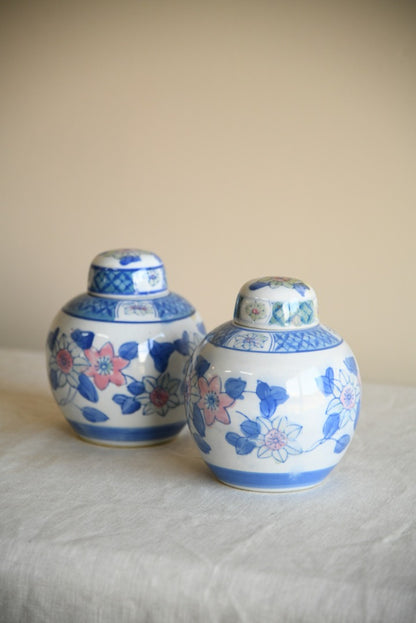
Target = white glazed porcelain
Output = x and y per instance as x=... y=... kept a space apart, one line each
x=116 y=355
x=272 y=396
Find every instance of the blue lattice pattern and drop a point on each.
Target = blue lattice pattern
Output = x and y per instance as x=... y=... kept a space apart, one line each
x=293 y=341
x=113 y=282
x=296 y=314
x=161 y=309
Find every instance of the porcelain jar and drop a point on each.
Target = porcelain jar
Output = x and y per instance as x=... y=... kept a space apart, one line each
x=116 y=355
x=273 y=396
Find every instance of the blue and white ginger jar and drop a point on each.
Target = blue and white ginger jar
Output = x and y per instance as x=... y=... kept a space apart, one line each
x=116 y=355
x=273 y=397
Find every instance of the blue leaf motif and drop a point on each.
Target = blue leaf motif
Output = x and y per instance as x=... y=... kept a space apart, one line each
x=198 y=420
x=351 y=365
x=201 y=328
x=250 y=428
x=326 y=382
x=201 y=366
x=279 y=394
x=331 y=425
x=86 y=388
x=130 y=405
x=268 y=406
x=119 y=398
x=258 y=284
x=94 y=415
x=342 y=443
x=83 y=339
x=53 y=378
x=262 y=390
x=232 y=438
x=129 y=259
x=136 y=388
x=183 y=344
x=52 y=338
x=202 y=444
x=244 y=446
x=235 y=387
x=160 y=353
x=128 y=350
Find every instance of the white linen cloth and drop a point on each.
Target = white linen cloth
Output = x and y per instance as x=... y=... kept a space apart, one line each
x=96 y=534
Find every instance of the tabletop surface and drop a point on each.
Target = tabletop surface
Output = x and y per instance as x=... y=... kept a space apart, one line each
x=96 y=534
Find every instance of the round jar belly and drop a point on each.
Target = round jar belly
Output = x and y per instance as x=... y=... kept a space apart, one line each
x=272 y=410
x=116 y=355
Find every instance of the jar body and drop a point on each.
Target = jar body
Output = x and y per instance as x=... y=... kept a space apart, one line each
x=120 y=382
x=272 y=411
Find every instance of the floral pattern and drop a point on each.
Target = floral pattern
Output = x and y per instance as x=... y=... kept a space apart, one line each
x=105 y=367
x=67 y=362
x=271 y=433
x=161 y=394
x=80 y=372
x=277 y=282
x=213 y=402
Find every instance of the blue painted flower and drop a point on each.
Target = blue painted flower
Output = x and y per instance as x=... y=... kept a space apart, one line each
x=249 y=341
x=346 y=397
x=277 y=438
x=161 y=394
x=66 y=363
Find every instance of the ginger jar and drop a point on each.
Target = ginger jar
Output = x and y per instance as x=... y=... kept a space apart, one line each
x=116 y=355
x=273 y=397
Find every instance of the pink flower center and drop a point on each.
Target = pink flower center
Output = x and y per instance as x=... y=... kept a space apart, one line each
x=64 y=361
x=347 y=397
x=255 y=311
x=275 y=439
x=159 y=397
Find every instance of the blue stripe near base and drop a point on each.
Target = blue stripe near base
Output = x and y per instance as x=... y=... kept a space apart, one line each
x=256 y=480
x=111 y=433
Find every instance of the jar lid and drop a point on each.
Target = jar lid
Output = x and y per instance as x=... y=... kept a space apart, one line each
x=127 y=273
x=276 y=303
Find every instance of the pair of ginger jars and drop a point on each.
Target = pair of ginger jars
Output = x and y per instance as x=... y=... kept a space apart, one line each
x=271 y=398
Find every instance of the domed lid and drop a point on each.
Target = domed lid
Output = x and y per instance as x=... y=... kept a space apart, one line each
x=276 y=303
x=127 y=273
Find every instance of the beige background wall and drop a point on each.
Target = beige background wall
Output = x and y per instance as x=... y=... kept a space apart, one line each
x=236 y=139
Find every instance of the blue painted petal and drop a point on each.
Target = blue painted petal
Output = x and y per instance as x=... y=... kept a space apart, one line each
x=94 y=415
x=262 y=390
x=268 y=406
x=201 y=366
x=232 y=438
x=342 y=443
x=160 y=353
x=130 y=405
x=235 y=387
x=279 y=394
x=351 y=365
x=136 y=388
x=119 y=399
x=83 y=339
x=202 y=444
x=198 y=420
x=183 y=344
x=52 y=338
x=331 y=425
x=86 y=388
x=244 y=446
x=250 y=428
x=128 y=350
x=53 y=378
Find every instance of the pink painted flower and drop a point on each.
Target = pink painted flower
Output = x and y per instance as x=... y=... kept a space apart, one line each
x=213 y=402
x=105 y=367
